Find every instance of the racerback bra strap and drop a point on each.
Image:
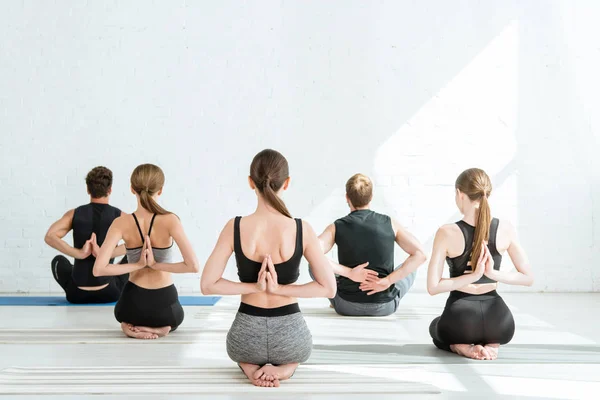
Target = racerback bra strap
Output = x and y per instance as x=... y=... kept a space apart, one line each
x=138 y=226
x=151 y=224
x=137 y=223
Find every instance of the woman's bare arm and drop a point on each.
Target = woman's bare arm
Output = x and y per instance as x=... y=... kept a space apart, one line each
x=523 y=275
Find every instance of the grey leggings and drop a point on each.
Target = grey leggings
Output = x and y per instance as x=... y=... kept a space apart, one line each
x=353 y=309
x=274 y=336
x=349 y=308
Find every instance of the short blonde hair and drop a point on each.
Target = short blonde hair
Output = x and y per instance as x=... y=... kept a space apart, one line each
x=359 y=190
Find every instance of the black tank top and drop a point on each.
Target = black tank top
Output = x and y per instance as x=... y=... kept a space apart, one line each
x=458 y=265
x=91 y=218
x=361 y=236
x=287 y=272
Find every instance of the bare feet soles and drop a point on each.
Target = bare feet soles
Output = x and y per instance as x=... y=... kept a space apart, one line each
x=164 y=331
x=250 y=370
x=476 y=352
x=144 y=332
x=492 y=349
x=276 y=373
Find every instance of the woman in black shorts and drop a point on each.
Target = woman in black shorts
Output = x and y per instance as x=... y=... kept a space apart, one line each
x=149 y=305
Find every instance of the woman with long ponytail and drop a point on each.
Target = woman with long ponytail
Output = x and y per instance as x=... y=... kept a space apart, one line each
x=269 y=337
x=475 y=321
x=149 y=305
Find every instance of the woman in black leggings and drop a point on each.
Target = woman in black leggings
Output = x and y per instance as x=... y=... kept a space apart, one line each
x=475 y=321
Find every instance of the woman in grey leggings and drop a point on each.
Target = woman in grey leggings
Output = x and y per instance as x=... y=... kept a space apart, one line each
x=269 y=337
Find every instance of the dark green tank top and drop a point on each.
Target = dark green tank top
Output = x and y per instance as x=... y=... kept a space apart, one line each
x=361 y=236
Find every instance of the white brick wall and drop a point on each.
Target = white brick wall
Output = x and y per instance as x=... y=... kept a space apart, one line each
x=408 y=92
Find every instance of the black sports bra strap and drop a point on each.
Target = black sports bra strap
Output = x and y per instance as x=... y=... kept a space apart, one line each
x=463 y=228
x=138 y=226
x=493 y=234
x=151 y=223
x=299 y=236
x=237 y=244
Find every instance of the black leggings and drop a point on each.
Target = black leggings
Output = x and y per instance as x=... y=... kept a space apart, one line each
x=473 y=319
x=154 y=308
x=62 y=270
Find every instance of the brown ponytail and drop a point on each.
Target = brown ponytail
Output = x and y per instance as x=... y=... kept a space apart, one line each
x=146 y=181
x=269 y=171
x=476 y=184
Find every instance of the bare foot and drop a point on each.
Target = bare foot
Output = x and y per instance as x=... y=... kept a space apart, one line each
x=137 y=334
x=276 y=373
x=130 y=327
x=250 y=371
x=484 y=354
x=492 y=349
x=164 y=331
x=476 y=352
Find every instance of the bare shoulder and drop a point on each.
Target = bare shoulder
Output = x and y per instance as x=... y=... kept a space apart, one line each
x=229 y=225
x=505 y=224
x=447 y=230
x=307 y=228
x=329 y=228
x=122 y=220
x=506 y=229
x=170 y=220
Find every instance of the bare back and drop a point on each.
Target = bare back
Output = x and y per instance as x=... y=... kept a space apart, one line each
x=160 y=238
x=263 y=234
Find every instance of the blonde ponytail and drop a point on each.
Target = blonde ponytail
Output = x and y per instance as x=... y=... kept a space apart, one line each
x=476 y=184
x=146 y=181
x=150 y=204
x=482 y=230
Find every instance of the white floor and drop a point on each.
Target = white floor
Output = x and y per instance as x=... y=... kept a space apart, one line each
x=78 y=352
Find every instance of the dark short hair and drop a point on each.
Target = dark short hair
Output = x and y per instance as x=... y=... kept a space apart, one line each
x=359 y=190
x=99 y=182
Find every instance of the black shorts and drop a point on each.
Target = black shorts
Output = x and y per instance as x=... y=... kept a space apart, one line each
x=154 y=308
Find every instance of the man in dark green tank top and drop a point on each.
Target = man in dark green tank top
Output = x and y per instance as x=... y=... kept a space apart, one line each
x=368 y=282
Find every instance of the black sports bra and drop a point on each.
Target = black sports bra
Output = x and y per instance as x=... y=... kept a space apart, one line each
x=459 y=265
x=287 y=272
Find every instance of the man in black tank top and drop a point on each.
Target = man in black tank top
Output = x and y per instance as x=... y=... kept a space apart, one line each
x=367 y=280
x=90 y=224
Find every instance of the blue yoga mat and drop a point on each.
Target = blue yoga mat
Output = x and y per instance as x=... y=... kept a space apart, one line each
x=61 y=301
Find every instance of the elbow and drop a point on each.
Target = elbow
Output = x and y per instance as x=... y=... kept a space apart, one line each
x=97 y=271
x=431 y=290
x=330 y=291
x=529 y=281
x=206 y=288
x=48 y=239
x=195 y=267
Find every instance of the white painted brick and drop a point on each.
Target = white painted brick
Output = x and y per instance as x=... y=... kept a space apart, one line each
x=17 y=243
x=411 y=121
